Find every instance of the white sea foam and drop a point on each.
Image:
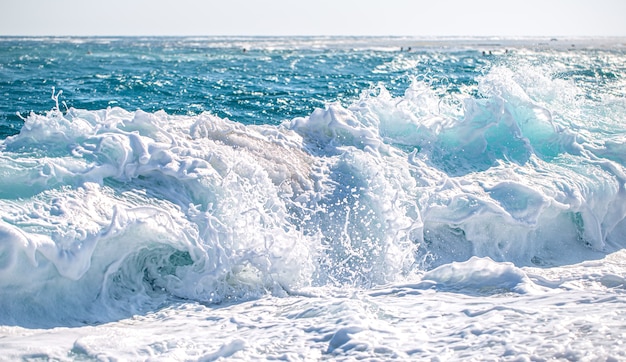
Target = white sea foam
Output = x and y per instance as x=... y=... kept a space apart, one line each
x=353 y=231
x=576 y=315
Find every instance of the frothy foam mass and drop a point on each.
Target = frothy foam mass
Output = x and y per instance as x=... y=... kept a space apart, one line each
x=109 y=212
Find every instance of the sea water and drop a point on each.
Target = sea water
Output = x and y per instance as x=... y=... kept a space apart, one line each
x=312 y=199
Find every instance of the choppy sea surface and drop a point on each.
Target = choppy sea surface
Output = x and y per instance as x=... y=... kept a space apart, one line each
x=312 y=198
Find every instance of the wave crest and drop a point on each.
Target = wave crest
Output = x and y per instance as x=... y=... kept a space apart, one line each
x=119 y=211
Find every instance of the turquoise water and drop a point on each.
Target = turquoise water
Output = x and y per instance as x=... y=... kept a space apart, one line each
x=272 y=81
x=355 y=181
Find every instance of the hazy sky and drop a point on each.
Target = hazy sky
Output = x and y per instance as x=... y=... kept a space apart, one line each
x=314 y=17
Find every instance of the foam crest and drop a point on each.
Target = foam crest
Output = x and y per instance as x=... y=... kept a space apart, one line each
x=501 y=176
x=365 y=206
x=337 y=126
x=149 y=212
x=480 y=276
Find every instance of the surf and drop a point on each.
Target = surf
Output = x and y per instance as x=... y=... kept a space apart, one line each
x=109 y=213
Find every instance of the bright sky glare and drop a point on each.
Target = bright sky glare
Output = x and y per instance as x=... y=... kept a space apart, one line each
x=314 y=17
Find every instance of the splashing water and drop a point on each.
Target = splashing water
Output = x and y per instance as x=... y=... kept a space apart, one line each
x=484 y=186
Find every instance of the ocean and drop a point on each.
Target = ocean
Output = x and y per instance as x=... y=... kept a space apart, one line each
x=312 y=198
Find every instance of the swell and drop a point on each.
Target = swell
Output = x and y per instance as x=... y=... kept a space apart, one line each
x=108 y=213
